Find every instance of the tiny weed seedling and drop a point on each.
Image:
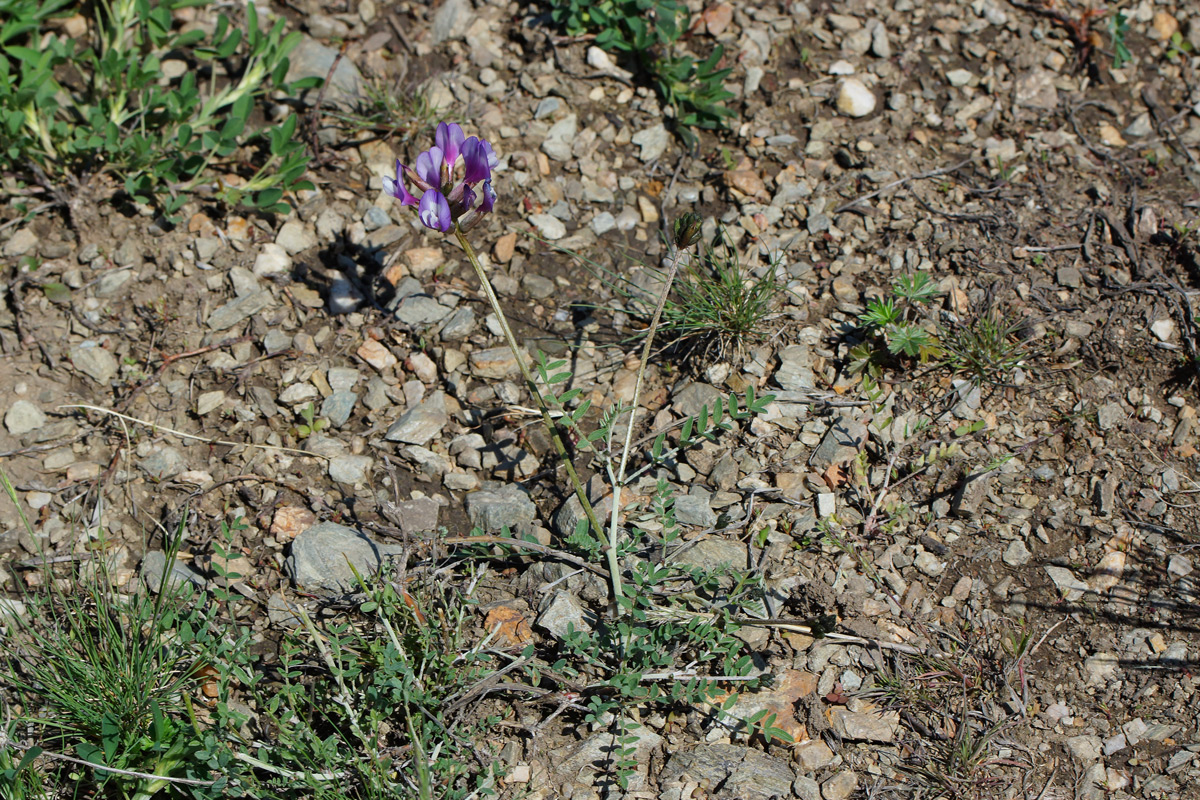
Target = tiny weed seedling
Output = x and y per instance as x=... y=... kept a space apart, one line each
x=1118 y=26
x=70 y=111
x=987 y=349
x=891 y=328
x=311 y=423
x=650 y=31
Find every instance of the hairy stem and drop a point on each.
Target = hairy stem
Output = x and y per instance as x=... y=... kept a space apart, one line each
x=556 y=437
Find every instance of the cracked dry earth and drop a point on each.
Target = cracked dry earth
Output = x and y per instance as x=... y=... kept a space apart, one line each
x=1021 y=612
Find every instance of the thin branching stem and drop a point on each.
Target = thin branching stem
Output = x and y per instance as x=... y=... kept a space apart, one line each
x=556 y=437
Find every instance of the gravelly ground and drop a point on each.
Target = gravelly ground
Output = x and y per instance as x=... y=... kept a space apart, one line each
x=991 y=158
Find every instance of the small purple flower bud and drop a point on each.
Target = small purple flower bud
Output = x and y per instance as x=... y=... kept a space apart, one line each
x=449 y=138
x=489 y=198
x=434 y=211
x=475 y=160
x=395 y=186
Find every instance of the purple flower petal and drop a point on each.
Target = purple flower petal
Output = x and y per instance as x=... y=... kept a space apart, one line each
x=449 y=138
x=429 y=167
x=395 y=186
x=475 y=160
x=434 y=211
x=489 y=198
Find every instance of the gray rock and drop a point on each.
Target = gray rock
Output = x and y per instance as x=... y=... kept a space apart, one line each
x=420 y=423
x=244 y=281
x=128 y=253
x=281 y=613
x=653 y=142
x=1017 y=554
x=154 y=567
x=864 y=726
x=377 y=397
x=795 y=369
x=375 y=218
x=840 y=786
x=94 y=361
x=689 y=400
x=321 y=557
x=112 y=282
x=344 y=297
x=842 y=442
x=595 y=755
x=805 y=788
x=460 y=325
x=712 y=554
x=971 y=493
x=603 y=222
x=1084 y=748
x=1105 y=495
x=549 y=226
x=560 y=612
x=1109 y=416
x=276 y=340
x=342 y=379
x=418 y=515
x=570 y=514
x=12 y=610
x=1100 y=669
x=1069 y=586
x=539 y=287
x=350 y=470
x=240 y=309
x=451 y=20
x=496 y=362
x=506 y=505
x=21 y=243
x=813 y=755
x=421 y=309
x=23 y=417
x=695 y=509
x=557 y=144
x=741 y=772
x=929 y=564
x=546 y=107
x=338 y=407
x=311 y=59
x=164 y=463
x=295 y=237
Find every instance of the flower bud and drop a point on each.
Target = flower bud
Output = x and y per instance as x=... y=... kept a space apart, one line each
x=687 y=230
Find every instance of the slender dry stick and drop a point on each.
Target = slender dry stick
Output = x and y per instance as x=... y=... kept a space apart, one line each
x=560 y=446
x=614 y=528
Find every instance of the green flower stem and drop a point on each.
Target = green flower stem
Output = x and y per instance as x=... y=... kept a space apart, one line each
x=614 y=567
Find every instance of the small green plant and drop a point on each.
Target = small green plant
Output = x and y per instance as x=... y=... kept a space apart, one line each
x=1179 y=47
x=650 y=31
x=1118 y=26
x=987 y=349
x=71 y=111
x=891 y=326
x=311 y=423
x=398 y=113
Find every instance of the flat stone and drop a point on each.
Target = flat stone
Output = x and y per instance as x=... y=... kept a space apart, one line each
x=154 y=567
x=1100 y=669
x=1085 y=748
x=421 y=309
x=421 y=423
x=1017 y=554
x=350 y=470
x=560 y=612
x=712 y=554
x=971 y=493
x=1036 y=90
x=842 y=442
x=424 y=261
x=291 y=521
x=22 y=243
x=840 y=786
x=1069 y=586
x=167 y=462
x=238 y=310
x=451 y=20
x=418 y=515
x=742 y=772
x=1109 y=416
x=653 y=142
x=695 y=509
x=559 y=139
x=691 y=398
x=322 y=557
x=854 y=99
x=338 y=406
x=460 y=324
x=504 y=506
x=813 y=755
x=272 y=260
x=377 y=355
x=23 y=417
x=548 y=226
x=496 y=362
x=94 y=361
x=209 y=402
x=311 y=59
x=596 y=755
x=295 y=237
x=864 y=726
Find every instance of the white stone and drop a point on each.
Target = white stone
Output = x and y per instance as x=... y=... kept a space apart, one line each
x=841 y=67
x=23 y=417
x=959 y=77
x=826 y=504
x=209 y=401
x=855 y=99
x=550 y=227
x=1163 y=329
x=272 y=260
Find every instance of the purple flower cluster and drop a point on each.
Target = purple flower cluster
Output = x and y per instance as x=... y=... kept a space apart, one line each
x=439 y=200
